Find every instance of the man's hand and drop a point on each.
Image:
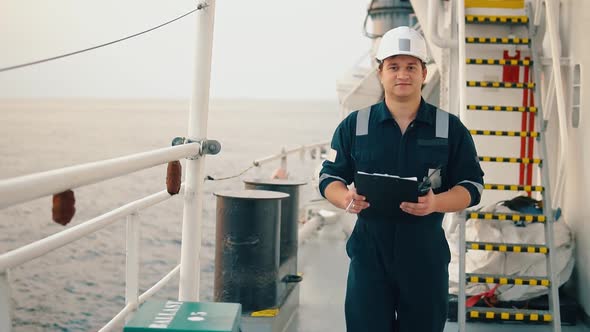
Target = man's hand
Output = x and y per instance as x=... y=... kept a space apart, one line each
x=353 y=202
x=425 y=206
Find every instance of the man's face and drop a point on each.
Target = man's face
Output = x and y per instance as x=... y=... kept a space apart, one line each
x=402 y=77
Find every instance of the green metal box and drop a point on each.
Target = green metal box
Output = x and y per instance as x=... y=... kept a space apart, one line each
x=176 y=316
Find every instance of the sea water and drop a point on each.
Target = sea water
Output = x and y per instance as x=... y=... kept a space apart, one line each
x=80 y=286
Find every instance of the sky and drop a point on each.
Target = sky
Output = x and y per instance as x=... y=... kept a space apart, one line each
x=263 y=49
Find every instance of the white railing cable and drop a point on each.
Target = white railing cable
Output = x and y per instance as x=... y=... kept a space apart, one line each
x=552 y=9
x=39 y=248
x=25 y=188
x=129 y=308
x=265 y=160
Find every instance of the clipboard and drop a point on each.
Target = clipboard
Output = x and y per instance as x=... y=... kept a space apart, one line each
x=385 y=193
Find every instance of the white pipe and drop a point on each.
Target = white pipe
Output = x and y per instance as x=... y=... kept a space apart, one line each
x=33 y=250
x=538 y=11
x=462 y=69
x=5 y=303
x=28 y=187
x=197 y=130
x=549 y=98
x=132 y=259
x=115 y=321
x=552 y=28
x=308 y=228
x=433 y=7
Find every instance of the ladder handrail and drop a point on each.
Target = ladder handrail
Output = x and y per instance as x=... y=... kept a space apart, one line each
x=461 y=310
x=553 y=30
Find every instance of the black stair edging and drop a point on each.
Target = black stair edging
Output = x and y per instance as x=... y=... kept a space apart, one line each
x=569 y=309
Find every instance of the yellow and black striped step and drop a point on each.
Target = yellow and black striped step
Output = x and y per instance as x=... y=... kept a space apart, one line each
x=502 y=108
x=505 y=280
x=496 y=19
x=508 y=85
x=501 y=314
x=500 y=40
x=504 y=133
x=500 y=62
x=510 y=160
x=507 y=247
x=506 y=216
x=512 y=187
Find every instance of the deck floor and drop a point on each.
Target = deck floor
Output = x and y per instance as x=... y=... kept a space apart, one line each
x=324 y=264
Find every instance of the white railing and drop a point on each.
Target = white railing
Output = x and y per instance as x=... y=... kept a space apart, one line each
x=75 y=176
x=41 y=247
x=29 y=187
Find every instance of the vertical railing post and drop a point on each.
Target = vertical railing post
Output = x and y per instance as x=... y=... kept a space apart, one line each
x=5 y=320
x=197 y=130
x=284 y=159
x=132 y=260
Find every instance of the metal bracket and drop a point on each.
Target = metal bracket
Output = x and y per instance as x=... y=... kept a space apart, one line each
x=207 y=146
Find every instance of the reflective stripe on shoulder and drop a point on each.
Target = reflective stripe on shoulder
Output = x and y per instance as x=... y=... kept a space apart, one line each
x=362 y=121
x=442 y=124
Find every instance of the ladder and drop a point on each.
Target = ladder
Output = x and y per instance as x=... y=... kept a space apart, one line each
x=483 y=49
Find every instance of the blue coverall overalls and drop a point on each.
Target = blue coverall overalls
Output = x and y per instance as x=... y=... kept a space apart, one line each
x=398 y=274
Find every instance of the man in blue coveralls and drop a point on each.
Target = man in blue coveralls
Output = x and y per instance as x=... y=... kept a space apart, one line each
x=398 y=275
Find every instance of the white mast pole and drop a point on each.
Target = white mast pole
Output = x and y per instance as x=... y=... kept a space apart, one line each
x=197 y=130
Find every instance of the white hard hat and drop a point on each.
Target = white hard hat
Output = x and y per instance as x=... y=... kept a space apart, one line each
x=402 y=40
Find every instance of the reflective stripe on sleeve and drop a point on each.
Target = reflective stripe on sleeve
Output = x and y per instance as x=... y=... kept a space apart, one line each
x=327 y=176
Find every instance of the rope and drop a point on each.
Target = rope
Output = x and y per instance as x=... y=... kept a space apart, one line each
x=199 y=7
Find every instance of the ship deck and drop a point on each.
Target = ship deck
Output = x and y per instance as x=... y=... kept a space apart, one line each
x=324 y=264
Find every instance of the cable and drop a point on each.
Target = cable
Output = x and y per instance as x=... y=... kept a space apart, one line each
x=199 y=7
x=210 y=178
